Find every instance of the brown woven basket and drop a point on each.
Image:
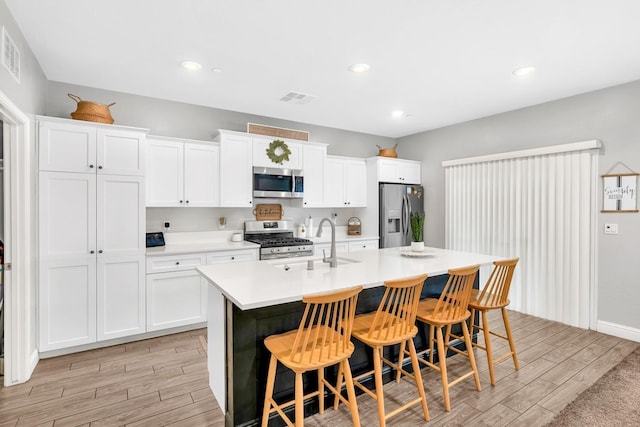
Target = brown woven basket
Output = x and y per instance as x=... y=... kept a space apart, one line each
x=387 y=152
x=91 y=111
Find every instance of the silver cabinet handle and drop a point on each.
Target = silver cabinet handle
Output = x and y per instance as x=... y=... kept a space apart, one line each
x=100 y=251
x=99 y=167
x=92 y=252
x=90 y=166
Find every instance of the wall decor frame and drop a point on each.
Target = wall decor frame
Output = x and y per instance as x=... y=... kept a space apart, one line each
x=619 y=192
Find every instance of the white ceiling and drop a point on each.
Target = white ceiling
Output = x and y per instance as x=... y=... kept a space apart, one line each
x=442 y=62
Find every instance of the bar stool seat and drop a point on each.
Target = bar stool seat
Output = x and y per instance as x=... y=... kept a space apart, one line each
x=323 y=339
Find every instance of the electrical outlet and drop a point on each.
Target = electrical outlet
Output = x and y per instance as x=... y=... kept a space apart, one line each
x=167 y=225
x=611 y=229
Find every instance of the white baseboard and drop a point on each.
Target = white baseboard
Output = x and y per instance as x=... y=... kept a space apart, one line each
x=619 y=331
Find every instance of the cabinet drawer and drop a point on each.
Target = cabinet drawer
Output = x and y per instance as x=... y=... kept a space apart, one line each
x=162 y=264
x=363 y=245
x=232 y=256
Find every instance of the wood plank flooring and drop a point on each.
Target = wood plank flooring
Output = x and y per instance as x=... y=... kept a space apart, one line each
x=164 y=382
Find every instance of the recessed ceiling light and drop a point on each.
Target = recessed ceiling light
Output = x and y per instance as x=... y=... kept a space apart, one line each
x=397 y=113
x=524 y=71
x=359 y=68
x=216 y=70
x=191 y=65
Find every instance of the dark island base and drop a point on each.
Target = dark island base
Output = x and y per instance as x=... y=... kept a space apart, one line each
x=249 y=361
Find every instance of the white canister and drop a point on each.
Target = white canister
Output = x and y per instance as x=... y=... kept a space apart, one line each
x=236 y=237
x=308 y=223
x=301 y=231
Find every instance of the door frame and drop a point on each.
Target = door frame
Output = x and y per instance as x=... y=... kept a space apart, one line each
x=21 y=355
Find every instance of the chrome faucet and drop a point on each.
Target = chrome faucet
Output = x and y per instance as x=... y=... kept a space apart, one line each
x=333 y=259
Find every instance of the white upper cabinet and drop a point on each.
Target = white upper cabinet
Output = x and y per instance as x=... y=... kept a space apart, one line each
x=182 y=173
x=72 y=146
x=260 y=157
x=313 y=164
x=399 y=170
x=345 y=182
x=236 y=169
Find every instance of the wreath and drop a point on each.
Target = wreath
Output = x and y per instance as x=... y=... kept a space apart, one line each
x=278 y=151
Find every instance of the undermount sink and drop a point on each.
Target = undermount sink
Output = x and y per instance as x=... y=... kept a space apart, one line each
x=317 y=263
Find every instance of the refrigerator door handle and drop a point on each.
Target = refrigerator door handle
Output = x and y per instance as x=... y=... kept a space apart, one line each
x=405 y=215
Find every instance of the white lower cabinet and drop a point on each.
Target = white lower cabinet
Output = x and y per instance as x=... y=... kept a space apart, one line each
x=175 y=299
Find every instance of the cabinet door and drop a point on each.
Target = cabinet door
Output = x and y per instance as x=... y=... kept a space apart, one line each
x=120 y=235
x=363 y=245
x=164 y=174
x=67 y=215
x=175 y=299
x=120 y=297
x=260 y=158
x=120 y=152
x=313 y=169
x=341 y=248
x=201 y=175
x=412 y=173
x=356 y=183
x=389 y=171
x=236 y=173
x=334 y=176
x=67 y=147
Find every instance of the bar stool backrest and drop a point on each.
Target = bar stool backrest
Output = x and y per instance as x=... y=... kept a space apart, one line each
x=325 y=329
x=396 y=314
x=453 y=301
x=496 y=291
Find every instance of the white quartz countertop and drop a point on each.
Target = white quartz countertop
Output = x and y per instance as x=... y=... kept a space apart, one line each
x=264 y=283
x=187 y=248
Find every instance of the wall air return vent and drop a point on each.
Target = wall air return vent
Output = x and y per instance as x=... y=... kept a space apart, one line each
x=10 y=55
x=297 y=98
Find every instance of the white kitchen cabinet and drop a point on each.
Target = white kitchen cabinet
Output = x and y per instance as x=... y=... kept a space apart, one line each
x=313 y=163
x=182 y=174
x=399 y=170
x=91 y=255
x=84 y=147
x=236 y=169
x=232 y=256
x=363 y=245
x=176 y=292
x=260 y=158
x=345 y=182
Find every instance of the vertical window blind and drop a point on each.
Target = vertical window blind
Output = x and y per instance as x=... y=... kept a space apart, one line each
x=539 y=205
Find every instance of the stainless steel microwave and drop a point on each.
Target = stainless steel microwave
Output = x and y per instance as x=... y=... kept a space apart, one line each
x=278 y=183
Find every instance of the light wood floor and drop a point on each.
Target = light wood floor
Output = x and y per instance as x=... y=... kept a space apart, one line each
x=164 y=382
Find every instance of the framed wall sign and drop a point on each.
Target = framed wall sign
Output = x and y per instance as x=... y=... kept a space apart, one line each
x=619 y=192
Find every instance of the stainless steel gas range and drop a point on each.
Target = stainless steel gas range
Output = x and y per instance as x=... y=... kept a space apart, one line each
x=276 y=239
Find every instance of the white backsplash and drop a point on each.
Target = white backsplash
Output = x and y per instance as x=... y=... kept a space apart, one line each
x=207 y=219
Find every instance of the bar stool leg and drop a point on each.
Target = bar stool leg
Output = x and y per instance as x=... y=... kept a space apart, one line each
x=512 y=345
x=400 y=360
x=487 y=346
x=351 y=392
x=418 y=377
x=271 y=377
x=341 y=372
x=299 y=400
x=321 y=389
x=472 y=359
x=442 y=360
x=377 y=366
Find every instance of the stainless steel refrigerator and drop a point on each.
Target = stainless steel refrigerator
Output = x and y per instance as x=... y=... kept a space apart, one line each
x=397 y=203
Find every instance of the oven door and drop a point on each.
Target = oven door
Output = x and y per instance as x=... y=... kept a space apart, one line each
x=277 y=183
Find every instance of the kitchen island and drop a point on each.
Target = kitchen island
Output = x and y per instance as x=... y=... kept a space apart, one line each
x=252 y=300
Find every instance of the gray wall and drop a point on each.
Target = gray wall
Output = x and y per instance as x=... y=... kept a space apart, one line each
x=29 y=94
x=168 y=118
x=610 y=115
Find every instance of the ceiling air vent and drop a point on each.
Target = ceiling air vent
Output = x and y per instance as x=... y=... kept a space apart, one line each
x=10 y=55
x=297 y=98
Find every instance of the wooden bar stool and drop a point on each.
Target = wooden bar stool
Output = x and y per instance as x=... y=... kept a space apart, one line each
x=494 y=296
x=392 y=323
x=321 y=340
x=450 y=309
